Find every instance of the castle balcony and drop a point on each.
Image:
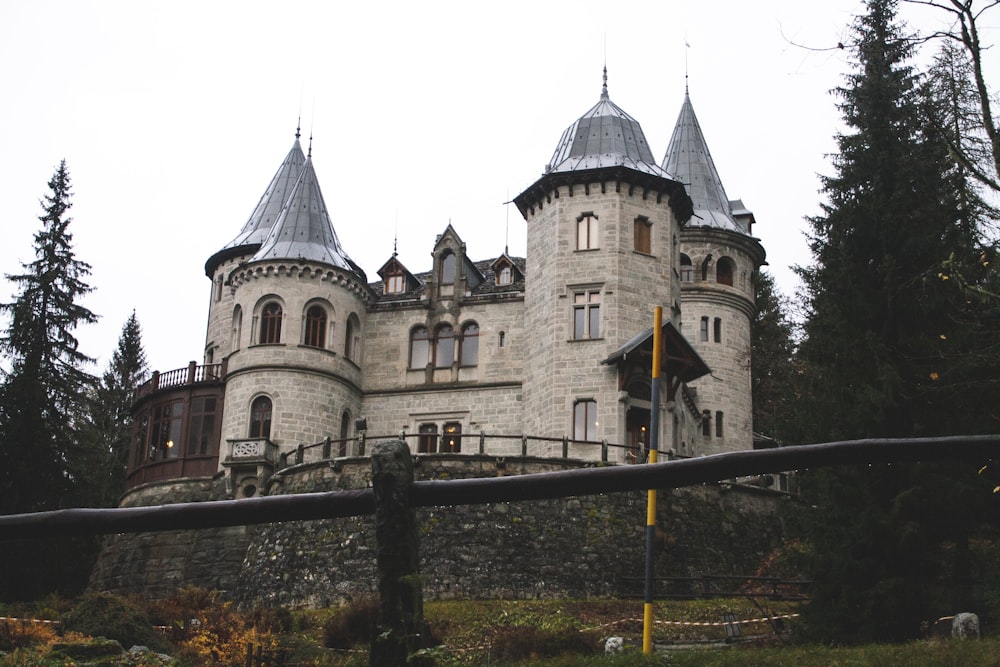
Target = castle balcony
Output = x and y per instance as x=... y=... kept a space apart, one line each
x=176 y=425
x=249 y=465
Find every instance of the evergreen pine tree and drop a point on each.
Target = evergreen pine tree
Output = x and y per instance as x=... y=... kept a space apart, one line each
x=871 y=356
x=110 y=420
x=772 y=351
x=42 y=398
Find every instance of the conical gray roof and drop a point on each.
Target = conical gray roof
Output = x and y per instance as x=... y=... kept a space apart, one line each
x=304 y=230
x=269 y=207
x=605 y=136
x=690 y=162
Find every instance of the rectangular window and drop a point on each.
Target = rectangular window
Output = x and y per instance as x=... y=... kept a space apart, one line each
x=706 y=424
x=201 y=427
x=586 y=231
x=427 y=441
x=587 y=314
x=166 y=430
x=717 y=329
x=394 y=284
x=642 y=232
x=452 y=439
x=703 y=334
x=718 y=424
x=585 y=420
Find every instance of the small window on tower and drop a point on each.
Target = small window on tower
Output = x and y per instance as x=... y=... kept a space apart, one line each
x=642 y=234
x=586 y=231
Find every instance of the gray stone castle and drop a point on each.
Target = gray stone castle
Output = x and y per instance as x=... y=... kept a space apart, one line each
x=482 y=354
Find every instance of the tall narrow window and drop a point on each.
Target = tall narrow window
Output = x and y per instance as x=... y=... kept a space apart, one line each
x=427 y=439
x=586 y=231
x=468 y=347
x=218 y=288
x=706 y=423
x=166 y=431
x=352 y=337
x=502 y=338
x=237 y=329
x=419 y=348
x=587 y=314
x=345 y=432
x=642 y=230
x=444 y=347
x=687 y=271
x=451 y=441
x=270 y=324
x=260 y=417
x=718 y=424
x=717 y=330
x=724 y=271
x=315 y=327
x=703 y=333
x=448 y=268
x=585 y=420
x=140 y=433
x=201 y=427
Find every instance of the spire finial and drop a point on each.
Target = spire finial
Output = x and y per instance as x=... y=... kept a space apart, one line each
x=309 y=154
x=298 y=127
x=687 y=47
x=604 y=89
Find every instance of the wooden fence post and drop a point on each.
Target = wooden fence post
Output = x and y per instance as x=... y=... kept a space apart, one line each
x=397 y=557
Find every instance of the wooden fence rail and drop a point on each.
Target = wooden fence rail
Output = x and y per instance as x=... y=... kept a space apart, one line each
x=589 y=481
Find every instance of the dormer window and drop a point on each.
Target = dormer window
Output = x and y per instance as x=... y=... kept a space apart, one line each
x=394 y=283
x=447 y=268
x=505 y=276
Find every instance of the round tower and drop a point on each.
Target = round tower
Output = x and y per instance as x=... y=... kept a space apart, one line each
x=287 y=319
x=718 y=262
x=602 y=251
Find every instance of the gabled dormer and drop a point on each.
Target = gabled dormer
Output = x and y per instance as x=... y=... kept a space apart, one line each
x=396 y=278
x=454 y=274
x=505 y=271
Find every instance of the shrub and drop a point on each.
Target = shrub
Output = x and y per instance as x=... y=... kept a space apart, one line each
x=532 y=643
x=112 y=617
x=352 y=625
x=21 y=634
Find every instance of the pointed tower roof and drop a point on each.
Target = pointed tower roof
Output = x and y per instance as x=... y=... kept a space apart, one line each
x=303 y=229
x=268 y=208
x=605 y=136
x=689 y=160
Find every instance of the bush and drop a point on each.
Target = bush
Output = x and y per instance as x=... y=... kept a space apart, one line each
x=21 y=634
x=112 y=617
x=352 y=625
x=531 y=643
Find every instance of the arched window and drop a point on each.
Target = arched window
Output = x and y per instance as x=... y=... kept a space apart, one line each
x=353 y=338
x=448 y=268
x=345 y=432
x=724 y=271
x=315 y=327
x=687 y=271
x=237 y=327
x=468 y=349
x=444 y=347
x=260 y=417
x=419 y=347
x=270 y=323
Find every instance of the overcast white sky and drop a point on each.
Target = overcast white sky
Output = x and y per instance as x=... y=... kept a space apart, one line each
x=173 y=116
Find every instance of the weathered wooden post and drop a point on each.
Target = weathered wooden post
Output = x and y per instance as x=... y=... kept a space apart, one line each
x=397 y=557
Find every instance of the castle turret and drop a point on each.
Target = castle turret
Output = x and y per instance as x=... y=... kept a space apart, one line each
x=719 y=258
x=297 y=323
x=602 y=251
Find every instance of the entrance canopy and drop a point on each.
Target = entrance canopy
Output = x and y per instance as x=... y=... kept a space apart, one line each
x=678 y=360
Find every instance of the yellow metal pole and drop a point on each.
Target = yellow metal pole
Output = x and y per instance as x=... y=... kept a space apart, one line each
x=654 y=443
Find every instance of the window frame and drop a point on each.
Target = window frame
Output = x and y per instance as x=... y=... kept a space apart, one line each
x=703 y=329
x=451 y=433
x=352 y=338
x=425 y=343
x=717 y=330
x=585 y=414
x=271 y=315
x=468 y=345
x=444 y=346
x=449 y=268
x=642 y=235
x=261 y=419
x=687 y=269
x=427 y=438
x=586 y=313
x=314 y=332
x=587 y=231
x=725 y=270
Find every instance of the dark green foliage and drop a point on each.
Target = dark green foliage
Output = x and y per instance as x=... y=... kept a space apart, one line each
x=530 y=643
x=113 y=617
x=772 y=351
x=42 y=400
x=886 y=352
x=108 y=427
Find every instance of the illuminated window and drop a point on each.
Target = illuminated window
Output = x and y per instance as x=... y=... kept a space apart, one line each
x=315 y=327
x=586 y=231
x=451 y=441
x=270 y=324
x=201 y=427
x=587 y=314
x=585 y=420
x=166 y=430
x=260 y=417
x=419 y=348
x=642 y=230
